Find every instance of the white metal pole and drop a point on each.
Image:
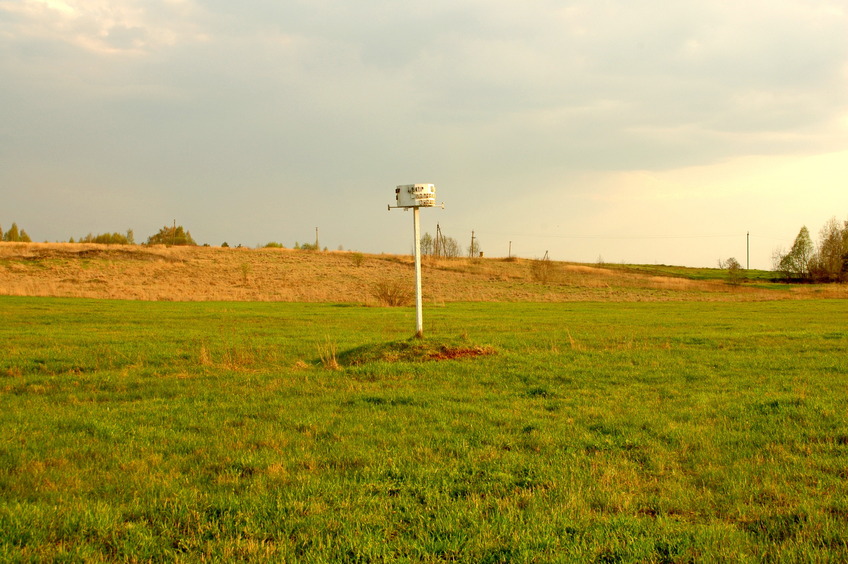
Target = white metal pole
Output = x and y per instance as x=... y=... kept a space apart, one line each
x=419 y=316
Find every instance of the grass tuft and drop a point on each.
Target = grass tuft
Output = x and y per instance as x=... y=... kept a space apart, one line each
x=327 y=355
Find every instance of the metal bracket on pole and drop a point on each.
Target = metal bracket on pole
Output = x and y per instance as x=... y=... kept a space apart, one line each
x=404 y=208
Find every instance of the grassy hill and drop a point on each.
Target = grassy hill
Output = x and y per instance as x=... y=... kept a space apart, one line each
x=161 y=273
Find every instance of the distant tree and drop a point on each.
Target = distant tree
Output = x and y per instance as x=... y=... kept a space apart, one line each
x=844 y=274
x=1 y=232
x=24 y=237
x=734 y=271
x=449 y=247
x=130 y=237
x=105 y=239
x=796 y=263
x=828 y=262
x=12 y=234
x=172 y=236
x=427 y=244
x=225 y=245
x=274 y=245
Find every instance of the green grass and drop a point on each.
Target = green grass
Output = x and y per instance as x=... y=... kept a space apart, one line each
x=636 y=432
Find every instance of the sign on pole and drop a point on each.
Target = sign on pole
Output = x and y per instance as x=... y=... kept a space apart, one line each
x=416 y=196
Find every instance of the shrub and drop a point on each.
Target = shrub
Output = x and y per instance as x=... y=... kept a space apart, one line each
x=392 y=293
x=734 y=271
x=543 y=270
x=172 y=236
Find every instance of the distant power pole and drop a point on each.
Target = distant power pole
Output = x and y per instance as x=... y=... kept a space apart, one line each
x=174 y=236
x=748 y=262
x=510 y=250
x=471 y=248
x=317 y=247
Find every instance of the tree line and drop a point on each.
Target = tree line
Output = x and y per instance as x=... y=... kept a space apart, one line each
x=14 y=235
x=826 y=261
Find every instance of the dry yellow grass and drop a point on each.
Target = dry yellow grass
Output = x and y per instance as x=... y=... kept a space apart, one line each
x=230 y=274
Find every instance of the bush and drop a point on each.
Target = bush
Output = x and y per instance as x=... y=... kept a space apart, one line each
x=734 y=271
x=274 y=245
x=172 y=236
x=392 y=294
x=543 y=270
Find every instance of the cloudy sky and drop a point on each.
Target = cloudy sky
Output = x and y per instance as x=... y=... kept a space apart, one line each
x=639 y=131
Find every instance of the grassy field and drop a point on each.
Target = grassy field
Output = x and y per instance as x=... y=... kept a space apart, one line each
x=607 y=432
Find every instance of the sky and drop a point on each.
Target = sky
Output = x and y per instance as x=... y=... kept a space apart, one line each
x=638 y=131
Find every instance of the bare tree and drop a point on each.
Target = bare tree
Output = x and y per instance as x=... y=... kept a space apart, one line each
x=450 y=247
x=427 y=245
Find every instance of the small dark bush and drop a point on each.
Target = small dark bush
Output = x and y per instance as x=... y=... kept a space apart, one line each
x=392 y=294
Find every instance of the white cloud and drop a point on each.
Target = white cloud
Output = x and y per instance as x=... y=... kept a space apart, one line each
x=104 y=27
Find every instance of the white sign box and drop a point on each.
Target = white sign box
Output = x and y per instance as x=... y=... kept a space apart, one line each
x=415 y=195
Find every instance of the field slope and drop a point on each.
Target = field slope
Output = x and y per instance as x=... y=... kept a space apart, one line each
x=216 y=274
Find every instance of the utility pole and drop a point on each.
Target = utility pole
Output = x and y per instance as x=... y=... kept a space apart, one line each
x=174 y=236
x=317 y=247
x=510 y=250
x=471 y=249
x=748 y=263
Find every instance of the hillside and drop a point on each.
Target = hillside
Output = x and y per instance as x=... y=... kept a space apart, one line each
x=242 y=274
